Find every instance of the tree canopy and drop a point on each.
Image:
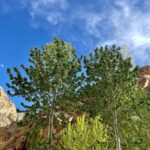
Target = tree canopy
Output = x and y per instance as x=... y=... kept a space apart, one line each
x=102 y=84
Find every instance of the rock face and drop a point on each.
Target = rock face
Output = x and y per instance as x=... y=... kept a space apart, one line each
x=12 y=138
x=8 y=112
x=144 y=77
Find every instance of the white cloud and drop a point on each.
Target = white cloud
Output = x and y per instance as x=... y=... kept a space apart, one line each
x=127 y=26
x=46 y=10
x=120 y=22
x=54 y=18
x=1 y=65
x=132 y=28
x=92 y=21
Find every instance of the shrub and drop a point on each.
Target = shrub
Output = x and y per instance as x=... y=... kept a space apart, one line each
x=84 y=135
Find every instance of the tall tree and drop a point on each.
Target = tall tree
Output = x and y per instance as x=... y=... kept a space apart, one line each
x=110 y=84
x=50 y=76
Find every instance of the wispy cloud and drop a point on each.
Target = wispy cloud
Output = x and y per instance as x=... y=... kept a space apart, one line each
x=121 y=22
x=125 y=25
x=50 y=11
x=92 y=21
x=1 y=66
x=132 y=27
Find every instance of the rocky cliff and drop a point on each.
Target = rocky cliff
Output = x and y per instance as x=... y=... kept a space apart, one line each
x=11 y=136
x=8 y=112
x=144 y=77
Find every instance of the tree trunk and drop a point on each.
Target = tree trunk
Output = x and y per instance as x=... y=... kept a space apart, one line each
x=51 y=123
x=115 y=123
x=50 y=129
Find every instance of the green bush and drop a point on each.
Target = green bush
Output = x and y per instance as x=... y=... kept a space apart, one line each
x=84 y=135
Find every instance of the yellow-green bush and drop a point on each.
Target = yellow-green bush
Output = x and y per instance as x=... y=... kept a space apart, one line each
x=84 y=135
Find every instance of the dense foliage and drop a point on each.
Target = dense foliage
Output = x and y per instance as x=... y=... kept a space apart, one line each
x=59 y=83
x=84 y=134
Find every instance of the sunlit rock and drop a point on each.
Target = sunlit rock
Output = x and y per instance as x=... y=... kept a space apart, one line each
x=8 y=112
x=144 y=77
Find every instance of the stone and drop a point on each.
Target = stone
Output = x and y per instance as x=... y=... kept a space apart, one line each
x=144 y=77
x=12 y=138
x=20 y=116
x=8 y=112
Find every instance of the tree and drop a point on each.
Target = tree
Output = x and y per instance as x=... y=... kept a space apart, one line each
x=50 y=77
x=111 y=82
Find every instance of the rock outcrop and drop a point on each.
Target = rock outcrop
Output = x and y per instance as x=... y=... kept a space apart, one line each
x=12 y=138
x=8 y=112
x=144 y=77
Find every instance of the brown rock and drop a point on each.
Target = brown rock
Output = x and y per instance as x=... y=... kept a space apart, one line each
x=144 y=77
x=11 y=138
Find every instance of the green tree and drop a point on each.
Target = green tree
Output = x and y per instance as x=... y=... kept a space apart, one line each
x=50 y=78
x=140 y=126
x=111 y=82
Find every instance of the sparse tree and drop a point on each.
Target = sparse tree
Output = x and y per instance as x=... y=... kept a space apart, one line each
x=110 y=84
x=50 y=78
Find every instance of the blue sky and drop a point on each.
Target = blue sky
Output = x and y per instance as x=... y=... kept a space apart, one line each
x=84 y=23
